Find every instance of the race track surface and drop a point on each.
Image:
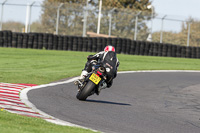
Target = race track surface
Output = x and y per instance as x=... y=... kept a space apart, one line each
x=159 y=102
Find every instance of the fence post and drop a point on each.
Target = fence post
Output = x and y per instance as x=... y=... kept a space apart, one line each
x=28 y=17
x=188 y=38
x=85 y=20
x=161 y=34
x=58 y=16
x=99 y=17
x=110 y=21
x=136 y=23
x=2 y=5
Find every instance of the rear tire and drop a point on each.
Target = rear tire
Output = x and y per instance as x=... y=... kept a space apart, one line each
x=86 y=91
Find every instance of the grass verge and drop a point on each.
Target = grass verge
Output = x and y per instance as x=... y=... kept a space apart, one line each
x=13 y=123
x=43 y=66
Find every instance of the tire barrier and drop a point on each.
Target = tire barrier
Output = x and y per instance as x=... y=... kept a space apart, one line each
x=188 y=52
x=147 y=48
x=88 y=43
x=70 y=43
x=25 y=41
x=137 y=48
x=113 y=43
x=173 y=52
x=193 y=52
x=164 y=50
x=40 y=41
x=65 y=43
x=128 y=45
x=80 y=44
x=183 y=52
x=60 y=43
x=142 y=48
x=1 y=39
x=94 y=44
x=197 y=52
x=99 y=44
x=14 y=40
x=155 y=49
x=20 y=40
x=178 y=51
x=35 y=41
x=49 y=42
x=132 y=47
x=160 y=48
x=151 y=49
x=124 y=43
x=119 y=45
x=169 y=50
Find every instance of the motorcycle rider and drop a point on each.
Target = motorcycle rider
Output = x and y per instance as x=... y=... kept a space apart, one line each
x=93 y=59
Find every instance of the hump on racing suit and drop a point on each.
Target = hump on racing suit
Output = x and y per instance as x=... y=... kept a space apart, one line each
x=110 y=61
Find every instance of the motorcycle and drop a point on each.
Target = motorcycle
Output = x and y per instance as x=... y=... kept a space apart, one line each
x=100 y=74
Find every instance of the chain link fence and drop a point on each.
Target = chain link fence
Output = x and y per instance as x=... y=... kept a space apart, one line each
x=81 y=20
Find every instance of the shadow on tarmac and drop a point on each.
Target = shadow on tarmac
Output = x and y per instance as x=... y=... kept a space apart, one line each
x=107 y=102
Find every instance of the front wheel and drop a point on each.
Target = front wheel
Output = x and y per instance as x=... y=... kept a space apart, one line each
x=86 y=91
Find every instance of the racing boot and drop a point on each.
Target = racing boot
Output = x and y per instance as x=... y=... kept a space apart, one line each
x=81 y=78
x=103 y=86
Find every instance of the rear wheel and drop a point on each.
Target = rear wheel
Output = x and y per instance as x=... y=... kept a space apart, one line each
x=86 y=91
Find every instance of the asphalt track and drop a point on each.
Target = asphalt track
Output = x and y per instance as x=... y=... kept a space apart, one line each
x=144 y=102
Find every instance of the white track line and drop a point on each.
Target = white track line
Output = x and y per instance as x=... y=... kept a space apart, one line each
x=17 y=108
x=10 y=95
x=7 y=88
x=13 y=105
x=24 y=113
x=8 y=91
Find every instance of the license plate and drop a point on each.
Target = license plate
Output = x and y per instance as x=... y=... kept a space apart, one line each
x=94 y=78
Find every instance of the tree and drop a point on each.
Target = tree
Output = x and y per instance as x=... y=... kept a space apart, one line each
x=72 y=12
x=13 y=26
x=181 y=37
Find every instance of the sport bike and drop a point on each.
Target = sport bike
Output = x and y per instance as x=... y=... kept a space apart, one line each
x=93 y=82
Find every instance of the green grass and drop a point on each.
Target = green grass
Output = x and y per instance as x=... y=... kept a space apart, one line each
x=43 y=66
x=12 y=123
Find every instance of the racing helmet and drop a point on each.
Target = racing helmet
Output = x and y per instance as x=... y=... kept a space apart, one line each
x=109 y=48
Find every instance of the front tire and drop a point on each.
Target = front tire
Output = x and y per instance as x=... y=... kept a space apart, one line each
x=86 y=91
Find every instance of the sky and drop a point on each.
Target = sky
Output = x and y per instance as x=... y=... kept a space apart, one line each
x=174 y=9
x=180 y=8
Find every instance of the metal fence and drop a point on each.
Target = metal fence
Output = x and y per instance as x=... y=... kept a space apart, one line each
x=78 y=20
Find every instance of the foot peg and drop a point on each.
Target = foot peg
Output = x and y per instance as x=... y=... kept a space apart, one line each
x=79 y=82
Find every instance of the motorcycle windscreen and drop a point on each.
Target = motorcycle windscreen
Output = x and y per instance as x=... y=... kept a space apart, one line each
x=109 y=62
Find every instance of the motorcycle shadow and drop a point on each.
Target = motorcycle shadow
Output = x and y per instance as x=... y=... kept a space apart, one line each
x=107 y=102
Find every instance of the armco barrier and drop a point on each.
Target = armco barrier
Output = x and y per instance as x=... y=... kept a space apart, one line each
x=94 y=44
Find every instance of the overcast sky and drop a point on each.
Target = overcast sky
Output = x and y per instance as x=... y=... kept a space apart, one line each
x=175 y=9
